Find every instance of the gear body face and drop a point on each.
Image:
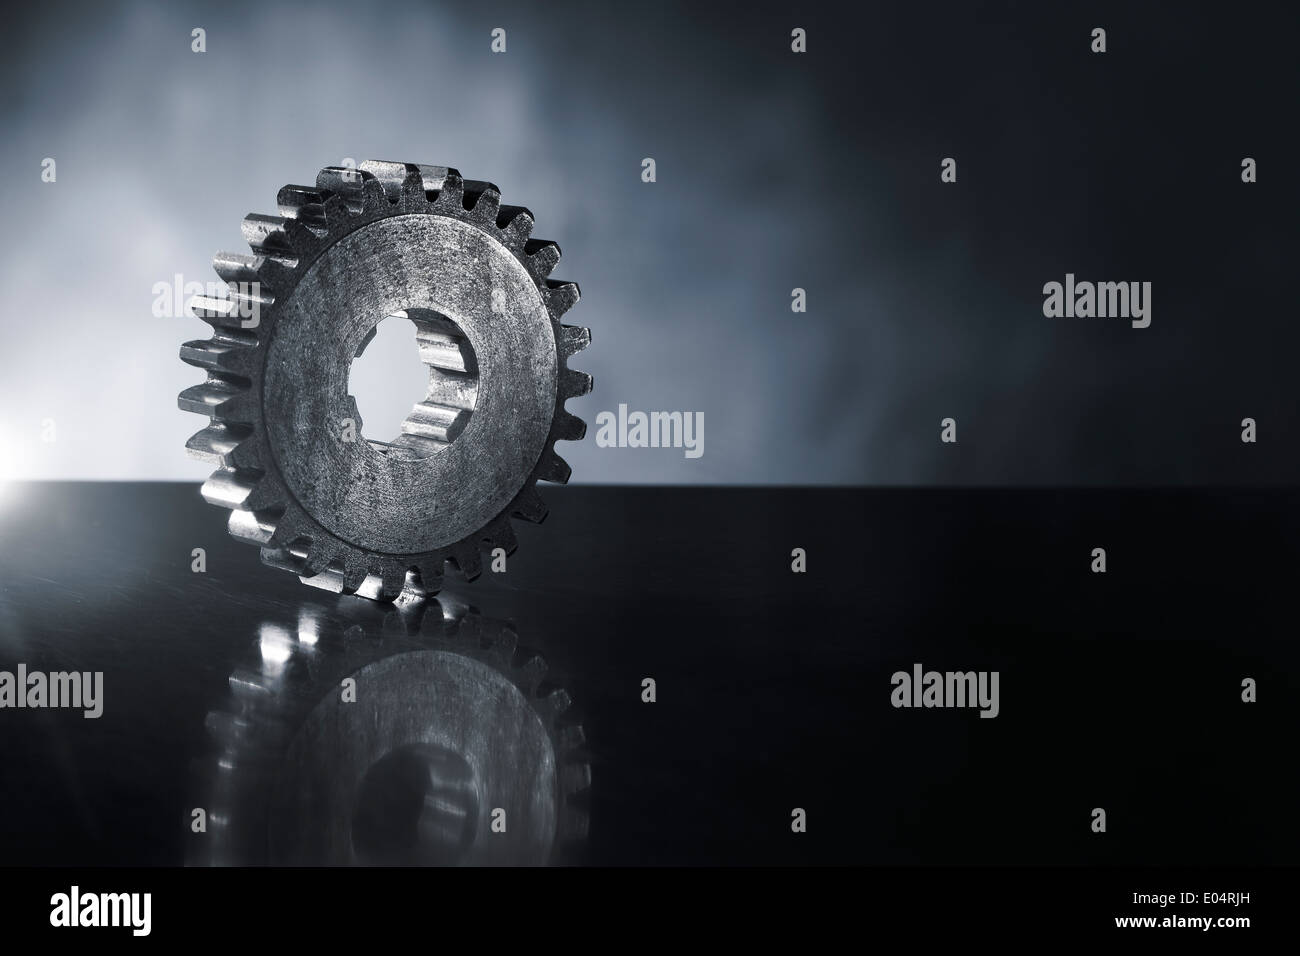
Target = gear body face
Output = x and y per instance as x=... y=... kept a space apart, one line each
x=371 y=517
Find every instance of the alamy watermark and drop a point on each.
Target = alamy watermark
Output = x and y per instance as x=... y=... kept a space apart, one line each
x=61 y=689
x=1085 y=300
x=240 y=300
x=923 y=688
x=76 y=908
x=626 y=429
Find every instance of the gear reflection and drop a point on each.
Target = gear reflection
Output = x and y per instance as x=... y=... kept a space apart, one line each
x=394 y=736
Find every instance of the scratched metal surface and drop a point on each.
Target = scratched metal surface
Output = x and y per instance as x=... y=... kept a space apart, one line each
x=773 y=688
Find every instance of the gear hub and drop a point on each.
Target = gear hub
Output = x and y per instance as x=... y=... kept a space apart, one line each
x=379 y=518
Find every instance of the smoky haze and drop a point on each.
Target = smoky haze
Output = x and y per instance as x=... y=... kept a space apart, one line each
x=775 y=170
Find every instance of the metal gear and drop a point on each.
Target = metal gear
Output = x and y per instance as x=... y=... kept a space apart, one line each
x=369 y=517
x=448 y=721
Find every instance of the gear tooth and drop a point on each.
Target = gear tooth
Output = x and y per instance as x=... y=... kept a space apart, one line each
x=572 y=737
x=529 y=506
x=300 y=239
x=210 y=444
x=451 y=194
x=450 y=389
x=217 y=443
x=501 y=534
x=501 y=651
x=444 y=347
x=288 y=529
x=213 y=355
x=443 y=620
x=412 y=197
x=203 y=353
x=386 y=584
x=413 y=593
x=345 y=181
x=568 y=426
x=555 y=703
x=575 y=777
x=392 y=176
x=403 y=183
x=573 y=339
x=469 y=623
x=392 y=582
x=247 y=455
x=532 y=673
x=411 y=597
x=248 y=685
x=275 y=274
x=240 y=408
x=431 y=573
x=266 y=495
x=249 y=302
x=238 y=338
x=237 y=267
x=554 y=468
x=400 y=620
x=355 y=572
x=516 y=225
x=574 y=384
x=433 y=176
x=435 y=423
x=487 y=204
x=373 y=197
x=228 y=488
x=337 y=213
x=561 y=297
x=252 y=527
x=288 y=558
x=266 y=235
x=328 y=578
x=209 y=307
x=230 y=316
x=543 y=256
x=216 y=399
x=300 y=202
x=320 y=555
x=333 y=179
x=218 y=311
x=468 y=561
x=444 y=626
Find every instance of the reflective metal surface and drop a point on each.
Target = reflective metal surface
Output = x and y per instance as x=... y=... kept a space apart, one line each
x=773 y=687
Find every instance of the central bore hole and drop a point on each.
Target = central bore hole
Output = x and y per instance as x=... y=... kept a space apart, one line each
x=412 y=403
x=418 y=806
